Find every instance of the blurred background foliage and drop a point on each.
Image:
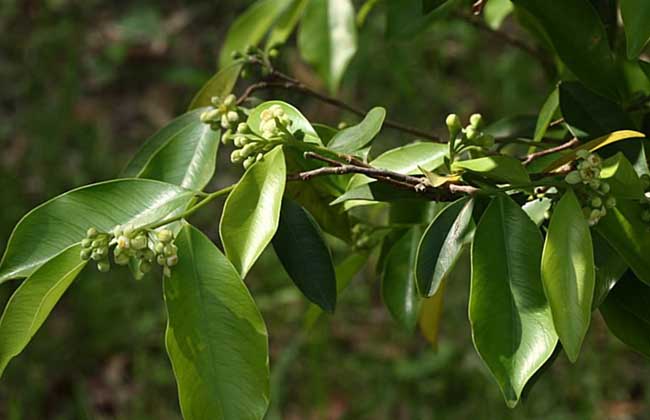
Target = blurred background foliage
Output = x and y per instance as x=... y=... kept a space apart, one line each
x=84 y=83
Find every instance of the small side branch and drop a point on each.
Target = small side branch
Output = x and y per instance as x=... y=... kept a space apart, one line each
x=531 y=157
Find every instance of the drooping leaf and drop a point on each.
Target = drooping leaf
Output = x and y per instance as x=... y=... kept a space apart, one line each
x=568 y=273
x=636 y=15
x=250 y=27
x=327 y=38
x=579 y=38
x=620 y=174
x=286 y=23
x=623 y=228
x=430 y=314
x=511 y=321
x=627 y=313
x=495 y=12
x=398 y=288
x=546 y=114
x=221 y=85
x=301 y=249
x=298 y=121
x=252 y=210
x=442 y=244
x=63 y=221
x=33 y=301
x=498 y=168
x=610 y=267
x=356 y=137
x=216 y=338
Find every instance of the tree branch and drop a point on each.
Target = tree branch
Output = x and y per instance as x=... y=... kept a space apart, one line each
x=531 y=157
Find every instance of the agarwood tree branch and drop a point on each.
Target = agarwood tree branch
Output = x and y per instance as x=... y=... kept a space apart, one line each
x=531 y=157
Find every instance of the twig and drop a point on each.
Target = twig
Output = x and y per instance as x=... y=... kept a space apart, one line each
x=531 y=157
x=478 y=6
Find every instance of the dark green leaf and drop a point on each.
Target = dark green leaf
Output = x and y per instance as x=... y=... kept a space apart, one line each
x=252 y=210
x=609 y=268
x=63 y=221
x=513 y=127
x=629 y=236
x=636 y=19
x=498 y=168
x=579 y=38
x=627 y=313
x=546 y=114
x=221 y=85
x=216 y=338
x=645 y=67
x=301 y=249
x=377 y=191
x=327 y=38
x=33 y=301
x=568 y=273
x=442 y=244
x=511 y=321
x=356 y=137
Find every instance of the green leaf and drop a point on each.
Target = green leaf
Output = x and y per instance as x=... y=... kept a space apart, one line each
x=546 y=114
x=495 y=12
x=221 y=85
x=63 y=221
x=398 y=288
x=405 y=19
x=629 y=236
x=610 y=267
x=298 y=121
x=216 y=338
x=645 y=67
x=301 y=248
x=431 y=5
x=513 y=127
x=620 y=174
x=356 y=137
x=252 y=210
x=183 y=153
x=377 y=191
x=568 y=273
x=286 y=23
x=250 y=27
x=580 y=40
x=636 y=20
x=536 y=210
x=498 y=168
x=33 y=301
x=327 y=38
x=406 y=160
x=511 y=321
x=442 y=244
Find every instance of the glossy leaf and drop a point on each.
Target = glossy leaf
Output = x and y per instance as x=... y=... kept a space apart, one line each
x=216 y=338
x=620 y=175
x=623 y=228
x=356 y=137
x=286 y=23
x=546 y=114
x=511 y=321
x=579 y=38
x=221 y=85
x=610 y=267
x=301 y=249
x=250 y=27
x=298 y=121
x=398 y=288
x=568 y=273
x=327 y=38
x=63 y=221
x=636 y=20
x=252 y=210
x=498 y=168
x=33 y=301
x=442 y=244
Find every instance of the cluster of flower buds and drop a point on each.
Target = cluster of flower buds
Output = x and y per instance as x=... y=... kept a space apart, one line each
x=470 y=135
x=224 y=113
x=593 y=192
x=144 y=246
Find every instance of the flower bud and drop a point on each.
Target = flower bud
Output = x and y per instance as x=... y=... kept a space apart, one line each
x=475 y=120
x=236 y=156
x=210 y=115
x=266 y=115
x=604 y=188
x=226 y=137
x=172 y=261
x=582 y=154
x=98 y=254
x=91 y=233
x=573 y=178
x=242 y=128
x=248 y=162
x=610 y=203
x=215 y=101
x=160 y=259
x=594 y=184
x=471 y=133
x=85 y=254
x=121 y=259
x=248 y=149
x=594 y=160
x=123 y=242
x=97 y=243
x=232 y=116
x=453 y=124
x=596 y=202
x=169 y=250
x=103 y=266
x=224 y=121
x=259 y=157
x=165 y=235
x=230 y=100
x=86 y=243
x=139 y=242
x=159 y=248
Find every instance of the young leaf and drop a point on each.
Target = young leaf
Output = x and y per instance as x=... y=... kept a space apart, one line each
x=252 y=210
x=511 y=321
x=627 y=315
x=250 y=27
x=546 y=114
x=398 y=288
x=356 y=137
x=221 y=85
x=216 y=338
x=495 y=12
x=568 y=273
x=33 y=301
x=63 y=221
x=301 y=248
x=579 y=37
x=327 y=38
x=629 y=236
x=298 y=121
x=499 y=168
x=442 y=244
x=636 y=15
